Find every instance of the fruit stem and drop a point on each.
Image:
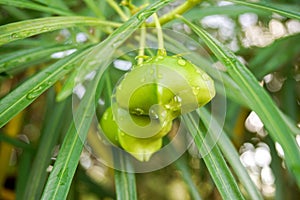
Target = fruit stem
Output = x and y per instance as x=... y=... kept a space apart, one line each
x=159 y=35
x=142 y=45
x=117 y=8
x=188 y=4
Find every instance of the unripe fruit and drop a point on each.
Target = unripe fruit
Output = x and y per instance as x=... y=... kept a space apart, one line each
x=172 y=82
x=140 y=148
x=149 y=97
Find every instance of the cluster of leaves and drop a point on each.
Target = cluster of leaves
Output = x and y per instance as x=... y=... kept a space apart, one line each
x=32 y=78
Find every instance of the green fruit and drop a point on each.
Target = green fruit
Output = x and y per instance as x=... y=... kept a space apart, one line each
x=139 y=147
x=109 y=126
x=169 y=81
x=149 y=97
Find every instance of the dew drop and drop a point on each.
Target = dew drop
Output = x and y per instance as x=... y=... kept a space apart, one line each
x=15 y=35
x=181 y=62
x=160 y=76
x=138 y=111
x=161 y=52
x=205 y=77
x=198 y=71
x=35 y=93
x=119 y=87
x=141 y=16
x=143 y=80
x=196 y=90
x=122 y=134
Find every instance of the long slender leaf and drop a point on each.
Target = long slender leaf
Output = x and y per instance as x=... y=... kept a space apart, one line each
x=232 y=156
x=232 y=90
x=60 y=178
x=49 y=137
x=35 y=6
x=269 y=7
x=27 y=28
x=13 y=60
x=214 y=161
x=260 y=102
x=27 y=92
x=124 y=181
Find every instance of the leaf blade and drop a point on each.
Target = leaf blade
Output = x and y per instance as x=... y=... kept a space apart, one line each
x=19 y=30
x=214 y=161
x=260 y=102
x=268 y=7
x=27 y=92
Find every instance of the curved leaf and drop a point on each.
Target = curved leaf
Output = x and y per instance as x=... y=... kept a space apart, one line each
x=269 y=7
x=214 y=161
x=60 y=179
x=19 y=30
x=260 y=102
x=31 y=89
x=34 y=6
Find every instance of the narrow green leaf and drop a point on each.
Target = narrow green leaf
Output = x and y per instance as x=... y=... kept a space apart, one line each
x=49 y=137
x=35 y=6
x=27 y=92
x=260 y=102
x=15 y=142
x=269 y=7
x=19 y=30
x=214 y=161
x=124 y=181
x=60 y=179
x=231 y=156
x=14 y=60
x=24 y=165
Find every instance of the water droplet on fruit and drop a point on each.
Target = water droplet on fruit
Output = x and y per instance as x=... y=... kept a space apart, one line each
x=138 y=111
x=181 y=62
x=161 y=52
x=198 y=71
x=196 y=90
x=177 y=99
x=205 y=77
x=119 y=87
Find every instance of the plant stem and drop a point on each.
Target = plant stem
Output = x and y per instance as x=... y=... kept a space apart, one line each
x=117 y=8
x=177 y=11
x=142 y=44
x=161 y=50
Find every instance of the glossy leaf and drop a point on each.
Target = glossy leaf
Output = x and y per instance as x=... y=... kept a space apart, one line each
x=59 y=181
x=214 y=161
x=269 y=7
x=14 y=60
x=231 y=155
x=31 y=89
x=34 y=6
x=49 y=137
x=260 y=102
x=27 y=28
